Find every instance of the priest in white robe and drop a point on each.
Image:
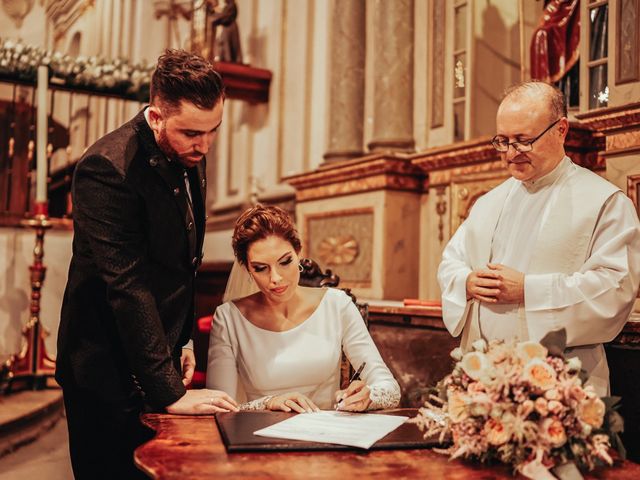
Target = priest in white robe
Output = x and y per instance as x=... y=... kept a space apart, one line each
x=555 y=246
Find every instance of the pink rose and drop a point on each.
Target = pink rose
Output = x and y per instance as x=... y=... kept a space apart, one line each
x=527 y=351
x=541 y=406
x=476 y=365
x=553 y=432
x=552 y=394
x=554 y=407
x=497 y=432
x=591 y=412
x=577 y=392
x=539 y=374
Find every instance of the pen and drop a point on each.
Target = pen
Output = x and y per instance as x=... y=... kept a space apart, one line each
x=354 y=377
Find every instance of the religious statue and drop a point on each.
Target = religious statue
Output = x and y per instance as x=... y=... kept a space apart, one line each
x=224 y=36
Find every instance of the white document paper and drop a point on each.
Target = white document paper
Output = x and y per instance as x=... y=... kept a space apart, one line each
x=343 y=428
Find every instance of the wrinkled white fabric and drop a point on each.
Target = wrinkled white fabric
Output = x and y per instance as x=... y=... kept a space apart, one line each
x=246 y=358
x=591 y=303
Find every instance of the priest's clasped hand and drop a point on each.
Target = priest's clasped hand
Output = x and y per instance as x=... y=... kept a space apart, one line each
x=496 y=284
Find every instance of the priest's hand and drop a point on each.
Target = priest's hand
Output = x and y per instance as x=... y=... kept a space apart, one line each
x=203 y=402
x=188 y=364
x=483 y=285
x=292 y=401
x=511 y=288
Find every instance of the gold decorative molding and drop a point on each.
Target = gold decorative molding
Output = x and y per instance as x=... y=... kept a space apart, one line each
x=433 y=167
x=471 y=152
x=441 y=210
x=446 y=176
x=623 y=142
x=390 y=171
x=342 y=239
x=338 y=250
x=466 y=190
x=64 y=13
x=17 y=10
x=607 y=120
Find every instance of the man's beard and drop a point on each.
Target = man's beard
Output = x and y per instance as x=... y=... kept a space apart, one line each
x=165 y=146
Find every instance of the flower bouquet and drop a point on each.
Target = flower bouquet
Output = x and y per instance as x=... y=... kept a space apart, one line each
x=523 y=404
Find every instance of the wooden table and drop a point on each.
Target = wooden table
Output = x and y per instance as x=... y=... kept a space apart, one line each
x=190 y=448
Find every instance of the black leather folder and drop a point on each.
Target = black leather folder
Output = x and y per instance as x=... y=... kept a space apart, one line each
x=236 y=430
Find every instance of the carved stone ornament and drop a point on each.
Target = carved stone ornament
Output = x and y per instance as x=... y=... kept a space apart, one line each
x=338 y=250
x=467 y=189
x=17 y=10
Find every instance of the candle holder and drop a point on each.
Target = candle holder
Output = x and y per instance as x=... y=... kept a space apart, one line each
x=30 y=368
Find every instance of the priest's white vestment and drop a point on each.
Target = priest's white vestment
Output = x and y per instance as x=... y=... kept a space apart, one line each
x=576 y=237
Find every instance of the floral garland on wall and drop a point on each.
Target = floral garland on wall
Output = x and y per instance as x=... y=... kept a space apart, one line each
x=20 y=62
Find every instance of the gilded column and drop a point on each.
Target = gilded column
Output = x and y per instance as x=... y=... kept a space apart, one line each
x=393 y=76
x=346 y=87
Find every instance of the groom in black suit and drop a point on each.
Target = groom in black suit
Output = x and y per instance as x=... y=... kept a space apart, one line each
x=127 y=315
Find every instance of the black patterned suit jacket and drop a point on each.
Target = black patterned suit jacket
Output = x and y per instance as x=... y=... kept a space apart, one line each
x=128 y=306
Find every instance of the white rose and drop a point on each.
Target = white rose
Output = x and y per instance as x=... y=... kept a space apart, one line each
x=539 y=374
x=476 y=365
x=529 y=350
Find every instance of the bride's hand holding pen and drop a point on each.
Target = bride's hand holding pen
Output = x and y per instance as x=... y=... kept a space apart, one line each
x=356 y=397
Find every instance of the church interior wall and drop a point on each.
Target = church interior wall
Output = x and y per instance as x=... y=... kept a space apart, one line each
x=16 y=247
x=495 y=47
x=375 y=201
x=434 y=232
x=627 y=92
x=260 y=144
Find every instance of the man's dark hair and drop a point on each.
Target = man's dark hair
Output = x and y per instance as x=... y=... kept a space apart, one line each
x=181 y=75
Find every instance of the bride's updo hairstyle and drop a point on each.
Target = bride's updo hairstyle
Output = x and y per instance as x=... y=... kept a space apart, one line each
x=258 y=223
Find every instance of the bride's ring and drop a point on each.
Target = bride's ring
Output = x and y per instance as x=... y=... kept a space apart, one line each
x=212 y=401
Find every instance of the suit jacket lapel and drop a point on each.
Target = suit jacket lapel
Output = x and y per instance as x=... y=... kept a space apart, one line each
x=173 y=176
x=198 y=195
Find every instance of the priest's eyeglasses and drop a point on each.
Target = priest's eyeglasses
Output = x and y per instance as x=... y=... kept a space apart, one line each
x=501 y=143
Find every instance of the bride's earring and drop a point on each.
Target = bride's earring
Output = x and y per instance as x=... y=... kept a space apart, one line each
x=300 y=268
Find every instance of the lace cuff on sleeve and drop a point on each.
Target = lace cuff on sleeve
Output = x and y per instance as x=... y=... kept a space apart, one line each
x=257 y=404
x=383 y=397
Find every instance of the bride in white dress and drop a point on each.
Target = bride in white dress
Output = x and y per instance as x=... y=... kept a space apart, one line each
x=281 y=346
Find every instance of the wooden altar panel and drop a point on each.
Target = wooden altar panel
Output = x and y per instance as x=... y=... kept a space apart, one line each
x=623 y=355
x=417 y=356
